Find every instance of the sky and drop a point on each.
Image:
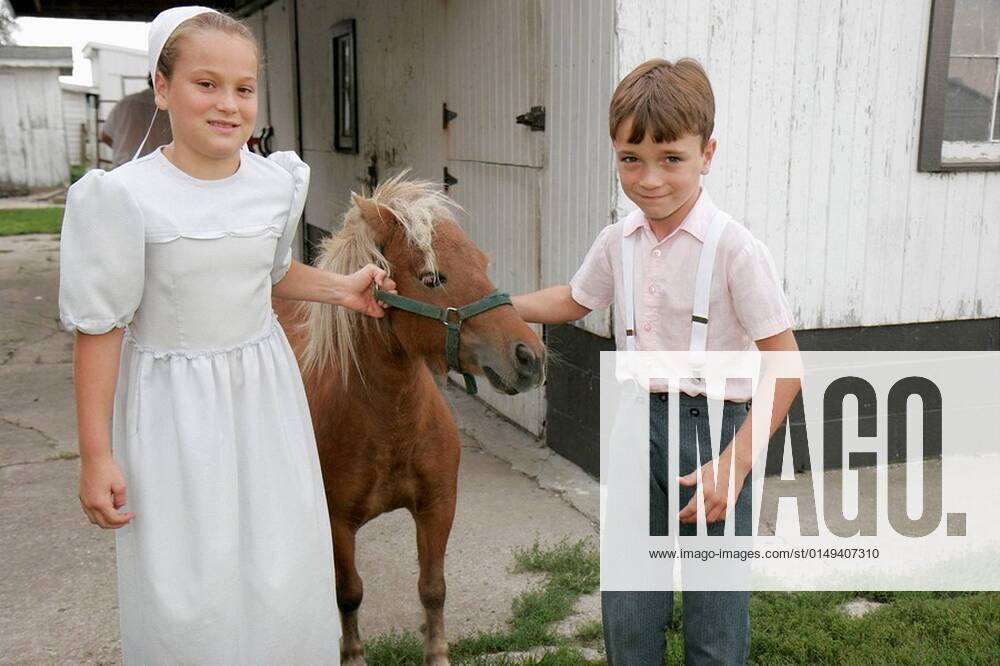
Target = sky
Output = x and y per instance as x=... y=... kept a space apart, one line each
x=76 y=33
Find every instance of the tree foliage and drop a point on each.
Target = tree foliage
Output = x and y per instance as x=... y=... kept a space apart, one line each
x=7 y=23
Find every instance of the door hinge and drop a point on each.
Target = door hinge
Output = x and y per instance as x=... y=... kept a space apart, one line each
x=447 y=115
x=449 y=180
x=535 y=119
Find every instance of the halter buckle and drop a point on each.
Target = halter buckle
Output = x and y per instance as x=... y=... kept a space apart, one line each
x=446 y=317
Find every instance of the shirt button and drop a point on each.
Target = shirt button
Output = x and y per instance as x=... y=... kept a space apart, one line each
x=647 y=327
x=695 y=411
x=652 y=289
x=656 y=253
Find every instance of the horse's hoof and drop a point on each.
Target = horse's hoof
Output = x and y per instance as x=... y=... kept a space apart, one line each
x=353 y=660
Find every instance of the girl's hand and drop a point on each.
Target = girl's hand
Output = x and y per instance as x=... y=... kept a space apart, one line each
x=102 y=493
x=357 y=293
x=713 y=477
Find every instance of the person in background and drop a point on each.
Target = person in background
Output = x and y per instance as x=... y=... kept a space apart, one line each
x=127 y=124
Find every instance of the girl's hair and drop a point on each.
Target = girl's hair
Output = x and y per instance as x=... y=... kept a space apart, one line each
x=202 y=23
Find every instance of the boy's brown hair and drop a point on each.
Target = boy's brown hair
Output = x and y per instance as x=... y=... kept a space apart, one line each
x=665 y=100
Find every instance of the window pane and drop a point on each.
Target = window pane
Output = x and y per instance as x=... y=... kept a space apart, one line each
x=968 y=104
x=976 y=27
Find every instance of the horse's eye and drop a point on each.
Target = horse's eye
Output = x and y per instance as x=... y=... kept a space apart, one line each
x=433 y=279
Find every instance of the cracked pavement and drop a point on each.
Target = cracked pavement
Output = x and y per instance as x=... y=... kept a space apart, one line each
x=58 y=600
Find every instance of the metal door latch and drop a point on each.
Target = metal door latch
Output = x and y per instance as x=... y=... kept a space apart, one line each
x=449 y=180
x=447 y=115
x=535 y=119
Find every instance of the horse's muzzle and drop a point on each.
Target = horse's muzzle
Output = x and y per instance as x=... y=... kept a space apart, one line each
x=525 y=370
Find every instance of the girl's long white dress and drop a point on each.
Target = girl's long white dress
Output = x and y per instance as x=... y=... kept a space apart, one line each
x=229 y=558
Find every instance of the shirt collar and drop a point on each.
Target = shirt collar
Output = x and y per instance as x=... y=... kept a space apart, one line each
x=696 y=223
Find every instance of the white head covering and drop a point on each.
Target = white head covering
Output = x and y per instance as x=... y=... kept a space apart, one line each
x=159 y=32
x=164 y=25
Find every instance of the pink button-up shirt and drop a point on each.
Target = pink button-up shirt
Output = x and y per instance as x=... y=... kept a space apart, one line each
x=746 y=303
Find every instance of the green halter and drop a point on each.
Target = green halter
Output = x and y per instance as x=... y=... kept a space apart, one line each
x=452 y=318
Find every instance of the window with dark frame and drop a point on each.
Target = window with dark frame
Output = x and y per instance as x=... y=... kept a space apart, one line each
x=345 y=87
x=960 y=125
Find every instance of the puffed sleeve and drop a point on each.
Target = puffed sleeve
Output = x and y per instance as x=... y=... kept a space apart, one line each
x=291 y=163
x=102 y=255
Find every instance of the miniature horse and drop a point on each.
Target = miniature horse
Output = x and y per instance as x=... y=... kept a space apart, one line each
x=386 y=438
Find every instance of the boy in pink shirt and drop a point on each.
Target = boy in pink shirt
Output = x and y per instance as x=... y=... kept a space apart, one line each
x=661 y=119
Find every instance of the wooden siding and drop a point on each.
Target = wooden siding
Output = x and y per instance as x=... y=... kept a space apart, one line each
x=401 y=85
x=79 y=130
x=579 y=178
x=502 y=217
x=32 y=138
x=496 y=63
x=817 y=117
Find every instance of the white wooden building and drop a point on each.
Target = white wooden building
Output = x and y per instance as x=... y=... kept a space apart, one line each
x=32 y=141
x=80 y=119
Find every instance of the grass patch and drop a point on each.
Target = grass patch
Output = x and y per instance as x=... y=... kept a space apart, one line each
x=572 y=569
x=913 y=628
x=16 y=221
x=787 y=628
x=592 y=631
x=77 y=171
x=395 y=649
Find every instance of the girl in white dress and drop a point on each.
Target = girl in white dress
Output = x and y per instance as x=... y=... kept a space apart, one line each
x=196 y=443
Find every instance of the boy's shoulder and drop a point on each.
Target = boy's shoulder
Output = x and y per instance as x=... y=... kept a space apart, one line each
x=737 y=238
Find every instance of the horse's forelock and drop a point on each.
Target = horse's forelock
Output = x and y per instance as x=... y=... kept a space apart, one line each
x=417 y=205
x=332 y=332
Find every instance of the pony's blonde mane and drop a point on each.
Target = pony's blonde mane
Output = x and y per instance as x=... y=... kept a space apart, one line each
x=333 y=331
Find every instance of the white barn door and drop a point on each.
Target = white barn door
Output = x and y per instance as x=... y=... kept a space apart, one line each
x=496 y=63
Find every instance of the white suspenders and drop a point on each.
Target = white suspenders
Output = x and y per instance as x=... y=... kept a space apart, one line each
x=702 y=288
x=628 y=281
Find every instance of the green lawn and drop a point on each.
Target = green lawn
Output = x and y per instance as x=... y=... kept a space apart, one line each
x=787 y=628
x=16 y=221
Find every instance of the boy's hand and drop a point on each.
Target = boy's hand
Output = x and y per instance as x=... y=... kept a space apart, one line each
x=358 y=294
x=102 y=493
x=714 y=488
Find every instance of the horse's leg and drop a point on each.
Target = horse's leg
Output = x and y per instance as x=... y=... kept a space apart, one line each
x=433 y=528
x=350 y=591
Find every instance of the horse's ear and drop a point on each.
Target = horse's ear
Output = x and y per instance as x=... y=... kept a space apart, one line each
x=378 y=218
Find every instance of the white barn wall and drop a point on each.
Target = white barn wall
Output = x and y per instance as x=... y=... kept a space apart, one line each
x=400 y=88
x=32 y=136
x=76 y=114
x=489 y=65
x=579 y=177
x=818 y=119
x=276 y=93
x=496 y=70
